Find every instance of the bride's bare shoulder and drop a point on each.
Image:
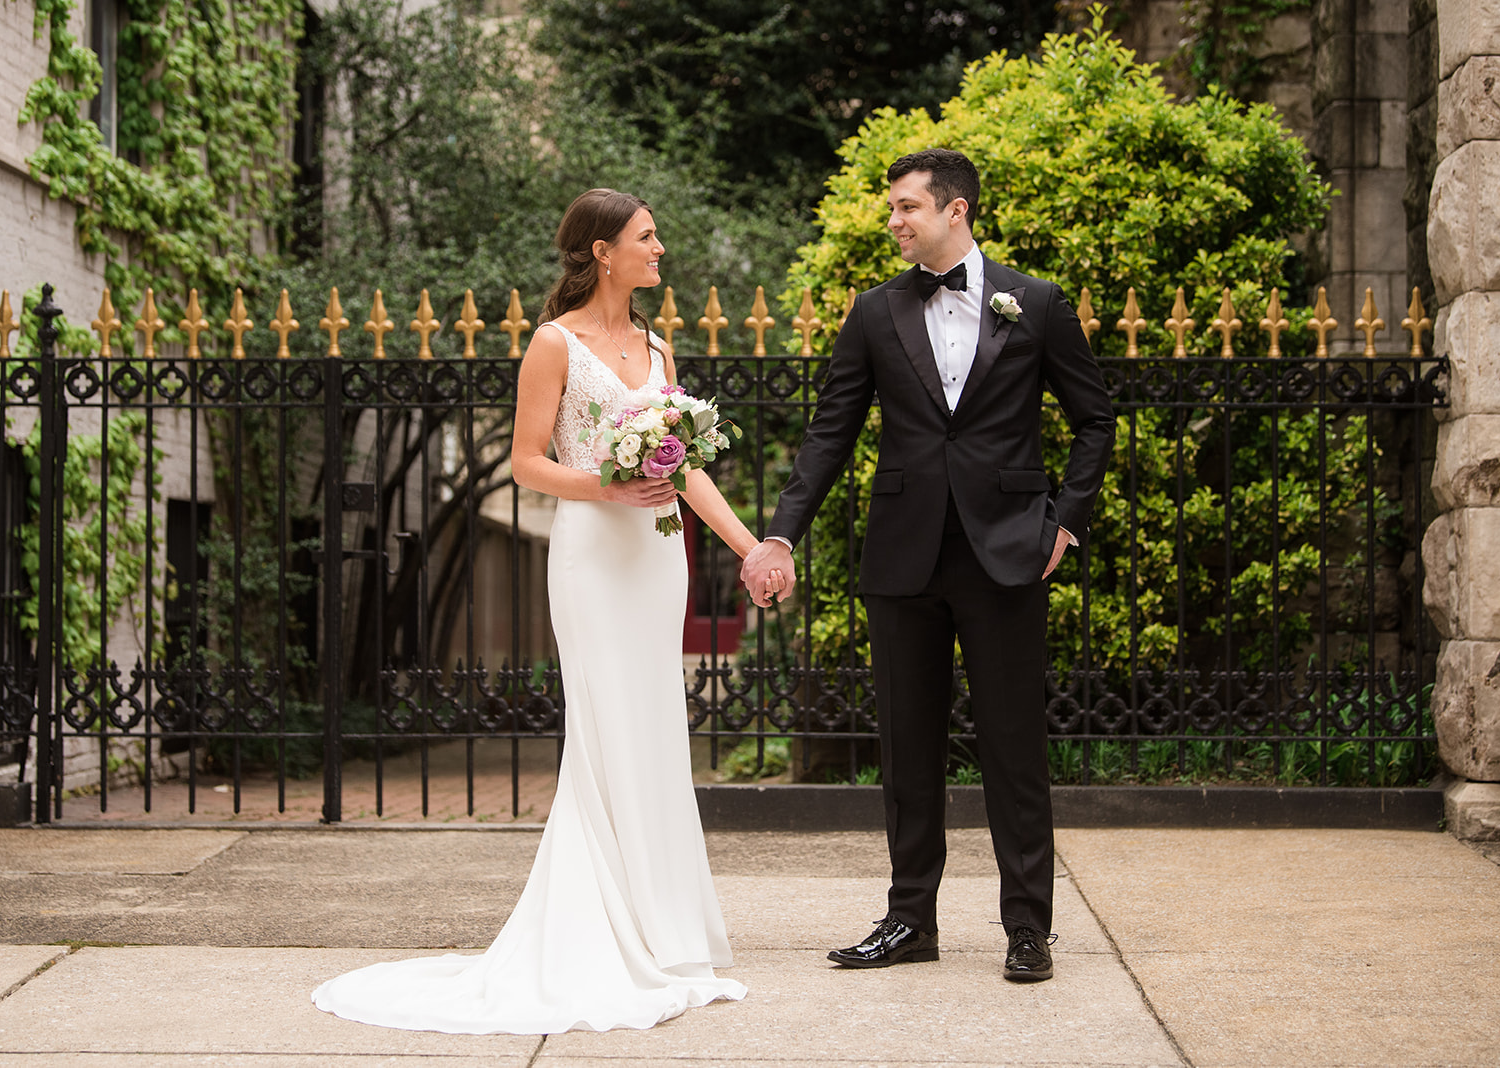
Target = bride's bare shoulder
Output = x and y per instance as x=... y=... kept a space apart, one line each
x=546 y=354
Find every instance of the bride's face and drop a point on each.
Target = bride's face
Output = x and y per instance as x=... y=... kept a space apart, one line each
x=635 y=256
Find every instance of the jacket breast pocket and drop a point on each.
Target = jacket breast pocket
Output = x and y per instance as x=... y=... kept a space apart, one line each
x=1019 y=350
x=1021 y=481
x=886 y=482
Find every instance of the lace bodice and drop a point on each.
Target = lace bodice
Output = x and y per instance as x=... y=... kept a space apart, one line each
x=589 y=379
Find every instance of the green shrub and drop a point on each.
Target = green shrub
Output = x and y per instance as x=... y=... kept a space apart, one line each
x=1092 y=176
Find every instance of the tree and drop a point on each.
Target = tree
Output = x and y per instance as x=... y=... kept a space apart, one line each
x=766 y=89
x=452 y=161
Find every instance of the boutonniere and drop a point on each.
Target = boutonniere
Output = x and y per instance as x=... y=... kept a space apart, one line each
x=1005 y=307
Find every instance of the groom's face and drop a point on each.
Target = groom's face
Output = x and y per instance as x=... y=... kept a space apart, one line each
x=928 y=233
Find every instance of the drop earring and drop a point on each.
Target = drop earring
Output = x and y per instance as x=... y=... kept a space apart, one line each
x=606 y=270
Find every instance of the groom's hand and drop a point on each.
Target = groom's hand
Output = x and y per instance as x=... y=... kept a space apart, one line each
x=1064 y=539
x=768 y=570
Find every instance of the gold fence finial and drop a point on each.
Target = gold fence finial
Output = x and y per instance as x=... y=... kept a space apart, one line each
x=1086 y=317
x=8 y=324
x=1227 y=325
x=150 y=324
x=805 y=322
x=759 y=320
x=333 y=321
x=424 y=325
x=1369 y=322
x=379 y=324
x=514 y=322
x=283 y=325
x=668 y=320
x=106 y=324
x=713 y=321
x=194 y=324
x=1274 y=323
x=1323 y=322
x=1179 y=323
x=1415 y=323
x=848 y=307
x=239 y=324
x=469 y=323
x=1131 y=323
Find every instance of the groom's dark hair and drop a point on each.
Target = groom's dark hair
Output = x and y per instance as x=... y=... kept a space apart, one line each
x=950 y=175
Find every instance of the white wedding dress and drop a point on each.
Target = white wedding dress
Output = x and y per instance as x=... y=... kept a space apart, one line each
x=619 y=925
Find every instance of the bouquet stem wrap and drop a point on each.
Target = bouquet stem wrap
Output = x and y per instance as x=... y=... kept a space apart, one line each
x=668 y=518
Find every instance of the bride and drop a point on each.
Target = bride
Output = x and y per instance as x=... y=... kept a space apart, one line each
x=618 y=925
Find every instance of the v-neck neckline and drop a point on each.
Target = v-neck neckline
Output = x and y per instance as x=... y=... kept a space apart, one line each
x=650 y=360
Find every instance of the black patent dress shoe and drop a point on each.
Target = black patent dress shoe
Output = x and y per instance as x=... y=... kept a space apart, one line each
x=1027 y=959
x=892 y=942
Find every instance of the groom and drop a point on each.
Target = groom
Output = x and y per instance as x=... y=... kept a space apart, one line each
x=963 y=530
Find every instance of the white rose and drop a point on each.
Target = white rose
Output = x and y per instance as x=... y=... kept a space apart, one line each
x=1006 y=306
x=630 y=445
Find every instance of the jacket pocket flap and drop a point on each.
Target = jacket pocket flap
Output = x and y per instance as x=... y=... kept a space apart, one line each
x=1023 y=482
x=886 y=482
x=1021 y=348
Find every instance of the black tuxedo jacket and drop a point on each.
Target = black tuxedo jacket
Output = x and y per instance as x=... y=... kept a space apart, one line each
x=987 y=452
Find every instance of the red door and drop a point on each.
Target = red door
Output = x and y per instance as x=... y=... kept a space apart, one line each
x=714 y=593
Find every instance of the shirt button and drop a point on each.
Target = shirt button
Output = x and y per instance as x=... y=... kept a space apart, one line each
x=952 y=435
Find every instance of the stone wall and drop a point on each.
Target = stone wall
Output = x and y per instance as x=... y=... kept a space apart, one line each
x=1360 y=143
x=1462 y=547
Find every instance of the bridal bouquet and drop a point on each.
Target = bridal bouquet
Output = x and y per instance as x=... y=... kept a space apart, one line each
x=657 y=433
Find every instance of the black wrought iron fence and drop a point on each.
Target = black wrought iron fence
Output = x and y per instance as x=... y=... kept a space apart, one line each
x=280 y=563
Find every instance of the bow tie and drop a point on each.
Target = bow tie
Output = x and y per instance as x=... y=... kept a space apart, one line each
x=927 y=283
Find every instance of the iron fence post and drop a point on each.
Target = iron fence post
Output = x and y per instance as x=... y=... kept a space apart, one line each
x=52 y=450
x=333 y=573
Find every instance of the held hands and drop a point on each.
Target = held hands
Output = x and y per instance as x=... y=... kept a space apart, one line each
x=768 y=571
x=640 y=492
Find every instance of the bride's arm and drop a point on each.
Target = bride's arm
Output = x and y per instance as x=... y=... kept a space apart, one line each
x=704 y=498
x=539 y=390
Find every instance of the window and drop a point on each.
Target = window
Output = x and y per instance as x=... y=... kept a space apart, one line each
x=306 y=237
x=103 y=24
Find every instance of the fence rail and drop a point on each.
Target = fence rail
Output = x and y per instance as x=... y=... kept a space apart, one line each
x=249 y=561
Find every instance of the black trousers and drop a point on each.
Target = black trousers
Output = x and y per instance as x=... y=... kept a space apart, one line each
x=1002 y=632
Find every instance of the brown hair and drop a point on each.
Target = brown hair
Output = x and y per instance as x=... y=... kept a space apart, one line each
x=950 y=175
x=597 y=215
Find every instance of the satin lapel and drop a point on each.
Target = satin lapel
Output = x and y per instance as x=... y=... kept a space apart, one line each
x=991 y=339
x=911 y=328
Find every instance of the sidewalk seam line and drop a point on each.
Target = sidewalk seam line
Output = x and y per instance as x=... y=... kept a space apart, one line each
x=536 y=1052
x=1120 y=956
x=38 y=970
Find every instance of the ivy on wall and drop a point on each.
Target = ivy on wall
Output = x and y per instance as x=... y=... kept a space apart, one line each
x=104 y=539
x=186 y=199
x=1222 y=39
x=206 y=90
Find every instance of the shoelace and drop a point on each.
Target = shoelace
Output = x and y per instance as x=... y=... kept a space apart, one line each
x=1050 y=939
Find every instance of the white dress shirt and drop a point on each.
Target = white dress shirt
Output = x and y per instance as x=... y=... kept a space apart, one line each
x=952 y=317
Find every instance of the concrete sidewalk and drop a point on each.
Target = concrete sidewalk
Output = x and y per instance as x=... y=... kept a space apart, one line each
x=136 y=947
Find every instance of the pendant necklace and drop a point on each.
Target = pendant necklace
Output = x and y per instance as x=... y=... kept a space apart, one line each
x=623 y=354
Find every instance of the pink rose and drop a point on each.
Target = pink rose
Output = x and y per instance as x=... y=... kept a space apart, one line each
x=672 y=416
x=668 y=458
